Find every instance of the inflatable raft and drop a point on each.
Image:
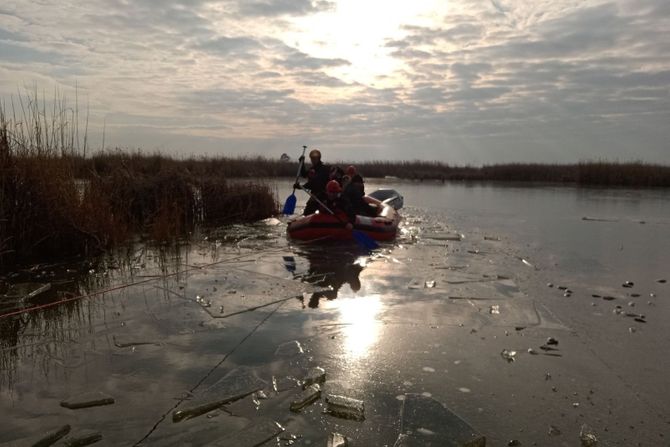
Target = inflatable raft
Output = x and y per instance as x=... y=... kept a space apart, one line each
x=321 y=225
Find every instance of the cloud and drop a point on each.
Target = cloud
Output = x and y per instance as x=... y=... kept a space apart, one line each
x=227 y=46
x=499 y=80
x=296 y=59
x=274 y=8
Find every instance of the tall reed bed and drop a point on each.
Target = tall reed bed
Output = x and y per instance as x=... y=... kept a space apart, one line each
x=55 y=201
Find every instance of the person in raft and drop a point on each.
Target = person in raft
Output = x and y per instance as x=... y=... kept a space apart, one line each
x=354 y=191
x=317 y=177
x=338 y=204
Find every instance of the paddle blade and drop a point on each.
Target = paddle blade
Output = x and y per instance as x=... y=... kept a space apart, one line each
x=364 y=240
x=289 y=206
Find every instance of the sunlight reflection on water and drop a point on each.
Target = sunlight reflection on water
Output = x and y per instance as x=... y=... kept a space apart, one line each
x=361 y=324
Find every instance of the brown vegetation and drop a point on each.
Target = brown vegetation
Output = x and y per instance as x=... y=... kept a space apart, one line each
x=55 y=202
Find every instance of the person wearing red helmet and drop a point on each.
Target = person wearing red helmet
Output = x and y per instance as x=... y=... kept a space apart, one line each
x=338 y=204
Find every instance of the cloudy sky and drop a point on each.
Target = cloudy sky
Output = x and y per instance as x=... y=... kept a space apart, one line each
x=462 y=81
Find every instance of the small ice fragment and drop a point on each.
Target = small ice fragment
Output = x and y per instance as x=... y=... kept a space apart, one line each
x=280 y=384
x=587 y=437
x=308 y=396
x=429 y=369
x=494 y=309
x=508 y=355
x=527 y=263
x=628 y=284
x=429 y=284
x=550 y=284
x=575 y=405
x=552 y=341
x=463 y=390
x=425 y=431
x=314 y=375
x=400 y=397
x=337 y=440
x=345 y=407
x=532 y=351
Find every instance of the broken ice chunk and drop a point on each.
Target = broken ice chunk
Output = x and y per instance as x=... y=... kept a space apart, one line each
x=311 y=394
x=314 y=375
x=48 y=438
x=587 y=437
x=238 y=383
x=508 y=355
x=337 y=440
x=345 y=407
x=87 y=400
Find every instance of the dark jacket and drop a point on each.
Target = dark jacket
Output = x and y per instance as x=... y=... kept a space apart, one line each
x=354 y=191
x=341 y=206
x=316 y=183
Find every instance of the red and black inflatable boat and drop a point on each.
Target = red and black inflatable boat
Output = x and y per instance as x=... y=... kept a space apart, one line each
x=323 y=226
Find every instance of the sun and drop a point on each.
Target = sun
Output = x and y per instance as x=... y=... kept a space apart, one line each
x=358 y=32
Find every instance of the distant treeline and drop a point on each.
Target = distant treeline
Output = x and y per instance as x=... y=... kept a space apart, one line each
x=603 y=173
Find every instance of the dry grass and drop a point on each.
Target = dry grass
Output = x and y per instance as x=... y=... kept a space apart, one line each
x=55 y=202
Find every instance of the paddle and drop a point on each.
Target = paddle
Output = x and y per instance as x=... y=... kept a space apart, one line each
x=289 y=205
x=361 y=238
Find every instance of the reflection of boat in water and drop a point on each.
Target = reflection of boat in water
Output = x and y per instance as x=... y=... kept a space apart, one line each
x=329 y=270
x=382 y=227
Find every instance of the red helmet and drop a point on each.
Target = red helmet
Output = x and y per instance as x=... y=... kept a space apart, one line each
x=333 y=186
x=351 y=171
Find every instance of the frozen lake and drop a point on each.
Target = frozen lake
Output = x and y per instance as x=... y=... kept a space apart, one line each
x=504 y=305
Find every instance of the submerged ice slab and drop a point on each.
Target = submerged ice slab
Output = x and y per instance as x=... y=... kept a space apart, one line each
x=238 y=383
x=258 y=433
x=27 y=290
x=81 y=438
x=289 y=349
x=223 y=293
x=44 y=439
x=426 y=422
